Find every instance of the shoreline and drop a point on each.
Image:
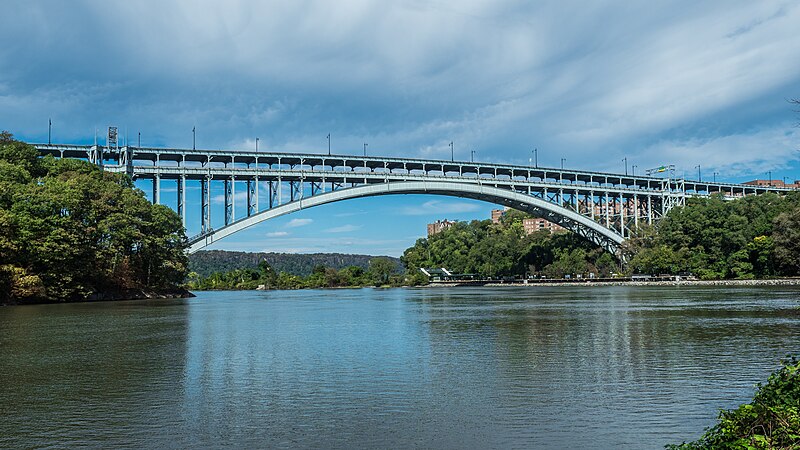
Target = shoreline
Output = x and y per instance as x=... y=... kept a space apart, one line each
x=118 y=295
x=539 y=283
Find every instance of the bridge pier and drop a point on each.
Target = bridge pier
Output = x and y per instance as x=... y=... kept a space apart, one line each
x=157 y=190
x=182 y=199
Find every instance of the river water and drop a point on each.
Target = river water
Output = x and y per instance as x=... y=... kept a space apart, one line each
x=543 y=367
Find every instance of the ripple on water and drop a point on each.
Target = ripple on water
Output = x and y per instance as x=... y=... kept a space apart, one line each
x=607 y=367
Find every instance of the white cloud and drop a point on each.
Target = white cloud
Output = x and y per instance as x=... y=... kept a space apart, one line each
x=294 y=223
x=731 y=155
x=343 y=229
x=277 y=234
x=439 y=207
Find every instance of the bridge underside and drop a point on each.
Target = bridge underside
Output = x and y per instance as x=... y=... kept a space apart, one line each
x=570 y=220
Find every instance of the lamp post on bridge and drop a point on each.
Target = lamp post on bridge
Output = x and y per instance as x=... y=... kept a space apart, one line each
x=769 y=180
x=698 y=172
x=472 y=156
x=365 y=149
x=625 y=160
x=536 y=158
x=633 y=170
x=256 y=145
x=562 y=163
x=452 y=152
x=139 y=140
x=49 y=129
x=715 y=176
x=194 y=147
x=329 y=144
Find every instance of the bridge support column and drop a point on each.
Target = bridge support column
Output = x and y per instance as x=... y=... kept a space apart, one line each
x=182 y=199
x=205 y=209
x=228 y=208
x=272 y=188
x=636 y=211
x=250 y=196
x=157 y=190
x=621 y=215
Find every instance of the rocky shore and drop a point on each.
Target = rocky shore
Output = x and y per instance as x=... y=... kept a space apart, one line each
x=117 y=295
x=775 y=282
x=139 y=294
x=587 y=282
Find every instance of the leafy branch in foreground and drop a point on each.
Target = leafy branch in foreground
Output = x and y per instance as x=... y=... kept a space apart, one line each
x=770 y=421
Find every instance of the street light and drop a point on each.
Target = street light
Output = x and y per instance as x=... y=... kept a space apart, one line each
x=139 y=140
x=769 y=181
x=256 y=145
x=329 y=144
x=715 y=176
x=472 y=156
x=365 y=149
x=633 y=170
x=625 y=160
x=194 y=147
x=49 y=129
x=698 y=172
x=562 y=163
x=536 y=157
x=452 y=152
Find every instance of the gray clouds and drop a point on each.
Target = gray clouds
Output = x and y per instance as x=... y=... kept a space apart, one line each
x=589 y=83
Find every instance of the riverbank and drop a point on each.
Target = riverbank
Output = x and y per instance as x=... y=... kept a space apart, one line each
x=587 y=282
x=118 y=295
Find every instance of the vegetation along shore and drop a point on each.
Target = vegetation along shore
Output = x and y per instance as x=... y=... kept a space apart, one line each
x=71 y=232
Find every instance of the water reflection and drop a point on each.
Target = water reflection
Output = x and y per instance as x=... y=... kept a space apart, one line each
x=97 y=374
x=542 y=367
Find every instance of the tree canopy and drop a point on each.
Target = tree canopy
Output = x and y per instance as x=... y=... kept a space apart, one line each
x=68 y=230
x=504 y=250
x=753 y=237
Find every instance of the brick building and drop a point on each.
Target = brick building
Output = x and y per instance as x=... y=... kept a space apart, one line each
x=774 y=183
x=439 y=226
x=535 y=224
x=497 y=214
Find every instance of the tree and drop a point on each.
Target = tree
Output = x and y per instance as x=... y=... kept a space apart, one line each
x=787 y=242
x=771 y=420
x=69 y=230
x=380 y=269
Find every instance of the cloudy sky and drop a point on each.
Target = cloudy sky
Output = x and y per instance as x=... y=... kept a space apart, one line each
x=678 y=82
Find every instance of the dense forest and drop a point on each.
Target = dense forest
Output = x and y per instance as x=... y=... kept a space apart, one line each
x=380 y=271
x=70 y=231
x=757 y=236
x=205 y=263
x=504 y=250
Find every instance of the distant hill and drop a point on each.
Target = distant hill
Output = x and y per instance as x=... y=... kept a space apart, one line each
x=207 y=262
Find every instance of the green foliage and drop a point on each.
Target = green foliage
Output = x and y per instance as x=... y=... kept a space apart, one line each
x=770 y=421
x=753 y=237
x=207 y=262
x=69 y=230
x=382 y=272
x=787 y=241
x=504 y=250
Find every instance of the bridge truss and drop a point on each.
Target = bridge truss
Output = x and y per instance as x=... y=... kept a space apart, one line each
x=602 y=207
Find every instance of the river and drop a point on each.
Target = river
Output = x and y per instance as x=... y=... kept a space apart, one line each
x=524 y=367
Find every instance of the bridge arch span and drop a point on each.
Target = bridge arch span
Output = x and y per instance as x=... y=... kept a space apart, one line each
x=564 y=217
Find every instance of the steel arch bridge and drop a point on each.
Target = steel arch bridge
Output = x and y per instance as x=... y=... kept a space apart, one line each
x=602 y=207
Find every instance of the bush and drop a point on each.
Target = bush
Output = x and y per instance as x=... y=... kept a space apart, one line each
x=770 y=421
